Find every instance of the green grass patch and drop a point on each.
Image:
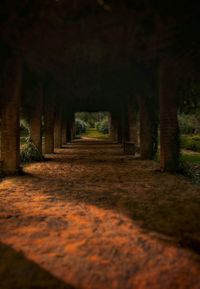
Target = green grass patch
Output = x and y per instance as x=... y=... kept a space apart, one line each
x=190 y=165
x=94 y=133
x=191 y=157
x=191 y=142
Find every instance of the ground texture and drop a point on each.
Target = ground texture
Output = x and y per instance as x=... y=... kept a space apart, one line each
x=91 y=218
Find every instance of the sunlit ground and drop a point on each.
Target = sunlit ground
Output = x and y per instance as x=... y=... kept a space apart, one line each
x=90 y=217
x=94 y=134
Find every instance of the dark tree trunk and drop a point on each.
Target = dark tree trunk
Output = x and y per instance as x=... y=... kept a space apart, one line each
x=125 y=124
x=133 y=123
x=36 y=122
x=113 y=126
x=70 y=127
x=49 y=126
x=169 y=130
x=10 y=128
x=148 y=128
x=58 y=129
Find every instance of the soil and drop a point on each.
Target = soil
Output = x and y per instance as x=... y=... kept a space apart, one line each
x=90 y=217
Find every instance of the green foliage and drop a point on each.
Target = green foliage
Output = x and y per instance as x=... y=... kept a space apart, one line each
x=103 y=126
x=24 y=128
x=190 y=166
x=189 y=98
x=29 y=152
x=190 y=161
x=91 y=118
x=191 y=142
x=189 y=123
x=81 y=126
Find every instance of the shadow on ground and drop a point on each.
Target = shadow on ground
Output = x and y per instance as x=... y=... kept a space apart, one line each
x=17 y=272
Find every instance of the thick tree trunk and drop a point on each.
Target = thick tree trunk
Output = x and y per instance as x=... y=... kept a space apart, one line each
x=64 y=132
x=70 y=127
x=36 y=122
x=145 y=129
x=69 y=131
x=58 y=129
x=119 y=130
x=169 y=130
x=49 y=126
x=119 y=133
x=64 y=128
x=10 y=128
x=73 y=127
x=133 y=125
x=148 y=128
x=125 y=125
x=113 y=126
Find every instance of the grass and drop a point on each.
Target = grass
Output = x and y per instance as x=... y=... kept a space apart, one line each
x=190 y=165
x=191 y=142
x=190 y=157
x=94 y=133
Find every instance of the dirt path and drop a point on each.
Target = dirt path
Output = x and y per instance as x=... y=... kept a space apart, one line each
x=92 y=218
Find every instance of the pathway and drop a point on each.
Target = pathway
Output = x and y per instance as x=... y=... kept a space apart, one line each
x=91 y=218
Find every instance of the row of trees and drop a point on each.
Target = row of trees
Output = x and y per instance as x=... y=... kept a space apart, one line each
x=83 y=122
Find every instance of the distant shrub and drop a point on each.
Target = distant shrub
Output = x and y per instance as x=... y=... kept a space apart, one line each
x=97 y=126
x=191 y=142
x=103 y=126
x=29 y=152
x=189 y=123
x=81 y=126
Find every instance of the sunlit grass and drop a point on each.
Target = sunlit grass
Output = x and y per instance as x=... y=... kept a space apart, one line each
x=191 y=142
x=94 y=133
x=190 y=157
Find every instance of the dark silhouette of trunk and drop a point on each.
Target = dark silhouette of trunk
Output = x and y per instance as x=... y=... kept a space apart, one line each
x=36 y=122
x=169 y=130
x=49 y=125
x=10 y=128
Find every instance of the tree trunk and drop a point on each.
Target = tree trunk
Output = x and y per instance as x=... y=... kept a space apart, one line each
x=113 y=127
x=58 y=129
x=148 y=128
x=10 y=128
x=146 y=151
x=35 y=122
x=169 y=130
x=64 y=133
x=69 y=131
x=125 y=125
x=49 y=126
x=133 y=125
x=70 y=127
